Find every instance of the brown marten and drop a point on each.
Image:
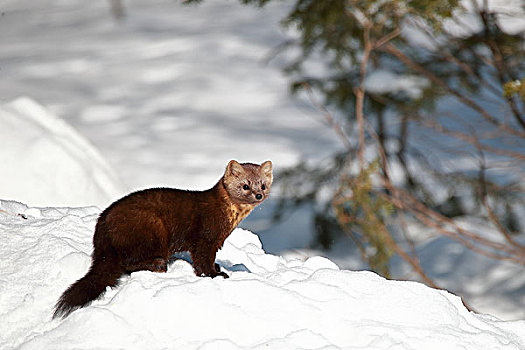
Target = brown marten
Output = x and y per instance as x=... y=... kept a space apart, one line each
x=144 y=229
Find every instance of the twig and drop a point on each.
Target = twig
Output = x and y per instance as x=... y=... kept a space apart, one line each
x=484 y=196
x=392 y=49
x=329 y=118
x=471 y=140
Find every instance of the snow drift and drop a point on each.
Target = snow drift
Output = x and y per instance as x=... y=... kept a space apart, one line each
x=268 y=302
x=44 y=160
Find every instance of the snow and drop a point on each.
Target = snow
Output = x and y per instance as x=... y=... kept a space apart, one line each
x=168 y=97
x=268 y=302
x=383 y=81
x=510 y=17
x=44 y=160
x=176 y=89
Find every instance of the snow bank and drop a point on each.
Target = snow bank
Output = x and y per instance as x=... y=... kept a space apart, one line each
x=268 y=302
x=46 y=162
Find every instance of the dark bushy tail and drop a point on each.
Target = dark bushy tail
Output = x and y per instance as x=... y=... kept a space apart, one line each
x=102 y=273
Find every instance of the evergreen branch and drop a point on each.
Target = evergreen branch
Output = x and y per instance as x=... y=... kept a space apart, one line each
x=393 y=50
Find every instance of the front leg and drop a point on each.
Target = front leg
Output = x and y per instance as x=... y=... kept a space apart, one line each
x=204 y=263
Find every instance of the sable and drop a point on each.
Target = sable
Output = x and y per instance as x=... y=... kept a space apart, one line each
x=142 y=230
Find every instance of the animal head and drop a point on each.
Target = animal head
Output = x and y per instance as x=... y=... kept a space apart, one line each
x=248 y=183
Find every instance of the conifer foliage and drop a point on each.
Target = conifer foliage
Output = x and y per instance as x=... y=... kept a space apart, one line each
x=411 y=86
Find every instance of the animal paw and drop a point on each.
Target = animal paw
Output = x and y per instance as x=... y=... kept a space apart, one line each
x=223 y=274
x=159 y=265
x=214 y=274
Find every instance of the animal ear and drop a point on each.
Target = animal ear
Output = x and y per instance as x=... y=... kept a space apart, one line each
x=234 y=168
x=266 y=170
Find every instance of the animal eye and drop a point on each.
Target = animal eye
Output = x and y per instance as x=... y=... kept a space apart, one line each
x=246 y=187
x=263 y=187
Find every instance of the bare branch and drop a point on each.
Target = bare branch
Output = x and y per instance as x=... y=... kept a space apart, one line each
x=472 y=140
x=392 y=49
x=329 y=119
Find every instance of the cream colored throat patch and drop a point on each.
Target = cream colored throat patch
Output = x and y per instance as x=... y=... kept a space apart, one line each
x=238 y=212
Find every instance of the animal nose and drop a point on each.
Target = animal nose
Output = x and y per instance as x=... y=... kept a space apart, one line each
x=258 y=196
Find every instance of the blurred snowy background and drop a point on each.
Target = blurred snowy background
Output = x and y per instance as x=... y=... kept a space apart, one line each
x=166 y=96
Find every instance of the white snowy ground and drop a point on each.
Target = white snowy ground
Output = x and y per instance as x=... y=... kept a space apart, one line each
x=269 y=302
x=167 y=97
x=45 y=161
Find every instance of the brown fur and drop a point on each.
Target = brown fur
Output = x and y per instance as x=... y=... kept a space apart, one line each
x=142 y=230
